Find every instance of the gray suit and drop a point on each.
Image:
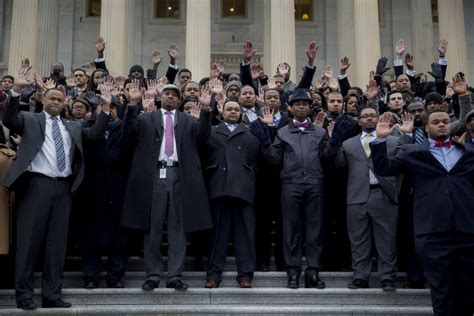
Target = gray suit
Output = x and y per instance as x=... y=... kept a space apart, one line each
x=43 y=204
x=371 y=210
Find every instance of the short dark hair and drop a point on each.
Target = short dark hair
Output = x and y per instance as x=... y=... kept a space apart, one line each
x=427 y=117
x=393 y=92
x=51 y=89
x=79 y=69
x=184 y=70
x=365 y=108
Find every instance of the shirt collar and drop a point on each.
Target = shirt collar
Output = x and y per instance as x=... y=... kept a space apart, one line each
x=251 y=109
x=364 y=134
x=163 y=111
x=277 y=116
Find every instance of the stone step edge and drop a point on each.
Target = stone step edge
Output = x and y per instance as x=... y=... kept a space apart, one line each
x=236 y=291
x=257 y=274
x=228 y=309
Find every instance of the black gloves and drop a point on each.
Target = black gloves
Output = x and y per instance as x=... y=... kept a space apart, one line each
x=436 y=71
x=342 y=129
x=261 y=133
x=381 y=66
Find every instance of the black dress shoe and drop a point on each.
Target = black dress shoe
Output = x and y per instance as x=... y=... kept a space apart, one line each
x=27 y=304
x=177 y=285
x=358 y=284
x=115 y=284
x=91 y=284
x=314 y=281
x=293 y=282
x=388 y=285
x=149 y=285
x=58 y=303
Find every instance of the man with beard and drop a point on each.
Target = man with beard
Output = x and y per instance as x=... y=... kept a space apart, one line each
x=230 y=172
x=371 y=206
x=442 y=174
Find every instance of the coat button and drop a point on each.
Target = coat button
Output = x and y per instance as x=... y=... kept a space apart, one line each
x=224 y=169
x=239 y=148
x=157 y=140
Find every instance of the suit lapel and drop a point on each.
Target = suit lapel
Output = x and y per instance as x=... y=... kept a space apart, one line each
x=157 y=119
x=238 y=130
x=425 y=149
x=463 y=157
x=42 y=122
x=222 y=129
x=179 y=126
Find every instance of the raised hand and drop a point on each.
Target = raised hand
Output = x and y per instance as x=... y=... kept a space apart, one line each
x=384 y=125
x=105 y=94
x=220 y=66
x=449 y=91
x=333 y=85
x=443 y=47
x=319 y=119
x=173 y=53
x=220 y=99
x=267 y=115
x=196 y=110
x=330 y=128
x=407 y=123
x=214 y=71
x=328 y=72
x=88 y=69
x=261 y=95
x=372 y=90
x=161 y=83
x=271 y=83
x=400 y=48
x=283 y=69
x=344 y=65
x=459 y=84
x=156 y=58
x=100 y=47
x=205 y=98
x=148 y=101
x=134 y=92
x=40 y=87
x=152 y=84
x=216 y=86
x=256 y=70
x=248 y=51
x=409 y=61
x=50 y=84
x=311 y=52
x=382 y=66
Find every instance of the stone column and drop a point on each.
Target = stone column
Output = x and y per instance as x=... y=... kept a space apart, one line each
x=452 y=28
x=116 y=27
x=268 y=67
x=345 y=30
x=48 y=30
x=422 y=32
x=23 y=37
x=198 y=38
x=367 y=40
x=282 y=37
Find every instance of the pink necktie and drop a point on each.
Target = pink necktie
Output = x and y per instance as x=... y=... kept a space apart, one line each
x=169 y=148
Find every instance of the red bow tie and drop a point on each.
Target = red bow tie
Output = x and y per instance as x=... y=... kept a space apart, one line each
x=305 y=124
x=440 y=143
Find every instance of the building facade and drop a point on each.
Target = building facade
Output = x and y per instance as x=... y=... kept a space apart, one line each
x=205 y=30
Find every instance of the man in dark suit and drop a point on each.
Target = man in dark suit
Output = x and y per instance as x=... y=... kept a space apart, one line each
x=371 y=206
x=230 y=171
x=166 y=182
x=49 y=166
x=268 y=197
x=442 y=176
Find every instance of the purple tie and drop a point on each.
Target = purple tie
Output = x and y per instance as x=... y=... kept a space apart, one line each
x=169 y=148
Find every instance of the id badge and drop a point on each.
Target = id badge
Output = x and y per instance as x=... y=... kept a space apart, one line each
x=163 y=173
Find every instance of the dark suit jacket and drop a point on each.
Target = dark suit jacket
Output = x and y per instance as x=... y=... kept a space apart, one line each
x=31 y=127
x=443 y=201
x=230 y=162
x=147 y=133
x=352 y=155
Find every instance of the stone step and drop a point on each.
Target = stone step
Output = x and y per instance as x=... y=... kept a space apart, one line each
x=232 y=309
x=235 y=296
x=135 y=279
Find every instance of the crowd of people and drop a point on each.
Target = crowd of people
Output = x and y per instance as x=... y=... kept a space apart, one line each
x=332 y=169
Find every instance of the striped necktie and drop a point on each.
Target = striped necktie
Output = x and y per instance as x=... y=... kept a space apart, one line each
x=419 y=135
x=58 y=143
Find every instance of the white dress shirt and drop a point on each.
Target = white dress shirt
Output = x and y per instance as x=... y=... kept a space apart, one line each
x=231 y=127
x=163 y=156
x=45 y=160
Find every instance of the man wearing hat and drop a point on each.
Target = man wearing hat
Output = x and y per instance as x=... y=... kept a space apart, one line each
x=468 y=136
x=166 y=182
x=301 y=148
